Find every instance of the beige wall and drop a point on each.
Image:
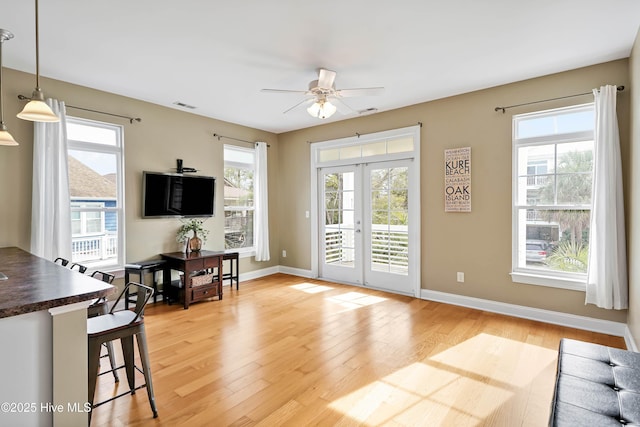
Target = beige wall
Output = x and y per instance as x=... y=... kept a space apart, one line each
x=163 y=136
x=476 y=243
x=633 y=224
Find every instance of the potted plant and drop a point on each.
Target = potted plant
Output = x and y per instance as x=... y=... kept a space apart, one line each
x=199 y=233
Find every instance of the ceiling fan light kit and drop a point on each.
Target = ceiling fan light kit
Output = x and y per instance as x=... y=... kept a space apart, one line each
x=37 y=109
x=322 y=91
x=322 y=109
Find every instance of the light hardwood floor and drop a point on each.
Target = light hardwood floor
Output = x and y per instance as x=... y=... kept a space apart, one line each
x=285 y=350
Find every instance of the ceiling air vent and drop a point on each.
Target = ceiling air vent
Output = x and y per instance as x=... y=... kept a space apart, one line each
x=370 y=110
x=183 y=105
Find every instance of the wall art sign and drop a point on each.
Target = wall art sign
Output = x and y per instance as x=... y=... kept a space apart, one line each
x=457 y=180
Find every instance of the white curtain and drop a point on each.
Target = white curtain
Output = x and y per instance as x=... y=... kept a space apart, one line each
x=261 y=201
x=50 y=205
x=607 y=273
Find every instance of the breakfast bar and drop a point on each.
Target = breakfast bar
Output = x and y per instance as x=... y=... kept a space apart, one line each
x=44 y=340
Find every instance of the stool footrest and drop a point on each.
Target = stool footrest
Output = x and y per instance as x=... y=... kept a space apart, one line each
x=95 y=405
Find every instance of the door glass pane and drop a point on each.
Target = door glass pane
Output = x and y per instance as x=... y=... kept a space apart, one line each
x=389 y=220
x=339 y=208
x=374 y=149
x=400 y=145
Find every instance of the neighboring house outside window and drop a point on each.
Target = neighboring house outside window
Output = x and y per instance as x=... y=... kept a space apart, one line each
x=552 y=184
x=97 y=195
x=239 y=167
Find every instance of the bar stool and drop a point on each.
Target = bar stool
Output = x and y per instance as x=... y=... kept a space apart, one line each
x=99 y=307
x=123 y=325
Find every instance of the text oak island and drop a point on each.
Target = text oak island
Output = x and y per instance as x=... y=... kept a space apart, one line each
x=457 y=180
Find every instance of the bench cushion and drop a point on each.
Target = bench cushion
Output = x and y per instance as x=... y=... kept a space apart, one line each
x=596 y=386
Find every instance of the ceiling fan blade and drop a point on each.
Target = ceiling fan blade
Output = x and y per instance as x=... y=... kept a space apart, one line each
x=326 y=78
x=282 y=91
x=303 y=102
x=342 y=107
x=364 y=91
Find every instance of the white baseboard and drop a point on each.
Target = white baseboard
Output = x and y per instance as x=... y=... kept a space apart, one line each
x=556 y=318
x=256 y=274
x=628 y=339
x=295 y=271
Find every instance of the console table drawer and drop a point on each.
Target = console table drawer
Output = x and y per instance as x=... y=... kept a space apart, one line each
x=195 y=264
x=202 y=292
x=211 y=262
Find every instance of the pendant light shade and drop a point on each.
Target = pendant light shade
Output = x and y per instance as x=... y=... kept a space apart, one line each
x=36 y=109
x=5 y=136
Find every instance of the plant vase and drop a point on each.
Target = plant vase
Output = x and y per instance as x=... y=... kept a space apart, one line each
x=195 y=243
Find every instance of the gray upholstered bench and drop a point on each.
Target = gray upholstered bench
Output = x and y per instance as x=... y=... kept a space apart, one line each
x=596 y=386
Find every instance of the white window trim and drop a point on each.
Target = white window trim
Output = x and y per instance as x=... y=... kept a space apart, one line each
x=548 y=278
x=118 y=150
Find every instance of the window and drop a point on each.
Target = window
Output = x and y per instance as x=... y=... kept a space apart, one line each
x=96 y=190
x=239 y=167
x=553 y=164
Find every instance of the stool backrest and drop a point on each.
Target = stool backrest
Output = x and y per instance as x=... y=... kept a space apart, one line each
x=143 y=295
x=105 y=277
x=75 y=266
x=63 y=262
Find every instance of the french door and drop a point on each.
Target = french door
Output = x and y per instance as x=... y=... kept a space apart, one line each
x=365 y=225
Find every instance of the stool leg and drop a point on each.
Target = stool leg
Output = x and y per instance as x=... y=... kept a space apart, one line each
x=127 y=353
x=110 y=353
x=146 y=368
x=112 y=360
x=94 y=365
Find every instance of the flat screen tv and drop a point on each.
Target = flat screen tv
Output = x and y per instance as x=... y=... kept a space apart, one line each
x=177 y=195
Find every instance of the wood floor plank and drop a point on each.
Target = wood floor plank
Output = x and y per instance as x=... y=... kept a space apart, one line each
x=285 y=350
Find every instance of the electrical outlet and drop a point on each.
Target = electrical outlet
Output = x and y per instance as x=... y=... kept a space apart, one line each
x=284 y=253
x=460 y=277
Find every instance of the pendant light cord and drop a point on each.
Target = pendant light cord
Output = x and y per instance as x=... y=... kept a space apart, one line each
x=37 y=51
x=1 y=101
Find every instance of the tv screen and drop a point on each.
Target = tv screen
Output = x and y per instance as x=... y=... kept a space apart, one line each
x=176 y=195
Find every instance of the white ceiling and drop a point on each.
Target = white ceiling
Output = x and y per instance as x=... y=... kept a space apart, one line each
x=217 y=55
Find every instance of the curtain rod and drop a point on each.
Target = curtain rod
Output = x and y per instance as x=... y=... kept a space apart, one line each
x=217 y=135
x=131 y=119
x=618 y=88
x=358 y=134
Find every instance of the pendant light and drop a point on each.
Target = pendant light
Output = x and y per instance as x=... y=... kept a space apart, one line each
x=36 y=109
x=5 y=136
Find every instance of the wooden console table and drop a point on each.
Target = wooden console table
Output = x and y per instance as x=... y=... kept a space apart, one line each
x=190 y=264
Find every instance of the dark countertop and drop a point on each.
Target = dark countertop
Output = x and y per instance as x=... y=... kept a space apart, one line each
x=36 y=284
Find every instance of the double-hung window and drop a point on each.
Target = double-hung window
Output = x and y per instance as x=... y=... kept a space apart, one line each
x=95 y=156
x=239 y=168
x=552 y=184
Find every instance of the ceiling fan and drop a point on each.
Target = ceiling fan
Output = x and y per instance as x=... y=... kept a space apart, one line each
x=322 y=93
